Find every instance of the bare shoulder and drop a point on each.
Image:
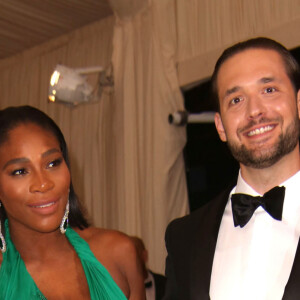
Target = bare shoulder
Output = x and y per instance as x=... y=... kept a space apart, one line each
x=117 y=252
x=100 y=240
x=114 y=249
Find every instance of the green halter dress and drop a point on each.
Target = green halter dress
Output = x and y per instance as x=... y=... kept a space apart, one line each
x=17 y=284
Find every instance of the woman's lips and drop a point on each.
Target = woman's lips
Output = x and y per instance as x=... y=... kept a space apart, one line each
x=45 y=207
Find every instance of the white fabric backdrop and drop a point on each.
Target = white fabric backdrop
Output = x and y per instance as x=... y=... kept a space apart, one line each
x=151 y=170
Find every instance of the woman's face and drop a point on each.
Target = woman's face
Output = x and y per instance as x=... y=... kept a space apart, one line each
x=34 y=179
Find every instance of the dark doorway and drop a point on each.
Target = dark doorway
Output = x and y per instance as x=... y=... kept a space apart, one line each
x=210 y=167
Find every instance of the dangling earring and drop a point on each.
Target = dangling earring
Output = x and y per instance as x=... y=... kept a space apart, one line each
x=2 y=240
x=65 y=221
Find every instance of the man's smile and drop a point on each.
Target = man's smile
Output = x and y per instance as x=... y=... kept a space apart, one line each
x=260 y=130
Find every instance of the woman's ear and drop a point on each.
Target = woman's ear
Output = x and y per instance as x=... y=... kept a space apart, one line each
x=220 y=127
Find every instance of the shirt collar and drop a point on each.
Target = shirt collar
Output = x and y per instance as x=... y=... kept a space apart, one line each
x=243 y=187
x=291 y=205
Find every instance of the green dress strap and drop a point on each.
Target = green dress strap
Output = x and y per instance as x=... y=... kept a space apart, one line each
x=17 y=284
x=101 y=284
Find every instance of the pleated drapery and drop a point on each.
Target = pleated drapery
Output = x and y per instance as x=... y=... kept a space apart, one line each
x=151 y=172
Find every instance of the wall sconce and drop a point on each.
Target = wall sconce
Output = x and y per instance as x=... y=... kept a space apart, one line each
x=70 y=86
x=182 y=117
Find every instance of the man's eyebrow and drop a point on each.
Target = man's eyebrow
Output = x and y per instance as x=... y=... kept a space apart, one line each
x=266 y=79
x=237 y=88
x=232 y=90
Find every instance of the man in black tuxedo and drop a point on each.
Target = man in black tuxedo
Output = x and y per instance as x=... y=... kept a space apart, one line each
x=154 y=283
x=239 y=247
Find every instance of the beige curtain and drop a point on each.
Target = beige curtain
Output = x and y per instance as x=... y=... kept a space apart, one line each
x=206 y=27
x=126 y=159
x=88 y=129
x=151 y=176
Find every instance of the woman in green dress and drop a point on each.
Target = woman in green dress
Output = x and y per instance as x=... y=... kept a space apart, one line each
x=48 y=249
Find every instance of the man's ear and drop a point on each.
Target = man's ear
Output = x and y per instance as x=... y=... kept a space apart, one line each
x=220 y=128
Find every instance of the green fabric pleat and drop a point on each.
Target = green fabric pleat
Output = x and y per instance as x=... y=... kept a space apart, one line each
x=17 y=284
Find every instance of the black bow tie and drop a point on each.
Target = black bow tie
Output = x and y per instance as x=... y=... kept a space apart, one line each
x=148 y=284
x=243 y=206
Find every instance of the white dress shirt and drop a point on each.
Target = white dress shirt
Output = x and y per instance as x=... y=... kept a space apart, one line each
x=254 y=262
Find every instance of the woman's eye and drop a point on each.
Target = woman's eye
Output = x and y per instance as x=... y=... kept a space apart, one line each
x=55 y=163
x=19 y=172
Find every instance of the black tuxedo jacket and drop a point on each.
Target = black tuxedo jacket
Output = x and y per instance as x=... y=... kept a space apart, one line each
x=160 y=285
x=191 y=243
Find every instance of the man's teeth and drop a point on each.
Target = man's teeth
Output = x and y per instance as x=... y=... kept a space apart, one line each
x=45 y=205
x=260 y=130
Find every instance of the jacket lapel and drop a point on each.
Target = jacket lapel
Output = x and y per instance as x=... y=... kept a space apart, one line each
x=205 y=245
x=292 y=289
x=203 y=256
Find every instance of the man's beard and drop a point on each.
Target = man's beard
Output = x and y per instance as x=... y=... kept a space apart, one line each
x=264 y=158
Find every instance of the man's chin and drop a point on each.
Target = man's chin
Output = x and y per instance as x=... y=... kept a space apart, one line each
x=263 y=154
x=260 y=162
x=258 y=158
x=261 y=158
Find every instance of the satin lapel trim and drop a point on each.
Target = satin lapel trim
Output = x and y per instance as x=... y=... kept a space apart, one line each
x=206 y=241
x=292 y=288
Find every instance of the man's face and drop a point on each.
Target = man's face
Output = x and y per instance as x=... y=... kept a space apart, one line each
x=258 y=108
